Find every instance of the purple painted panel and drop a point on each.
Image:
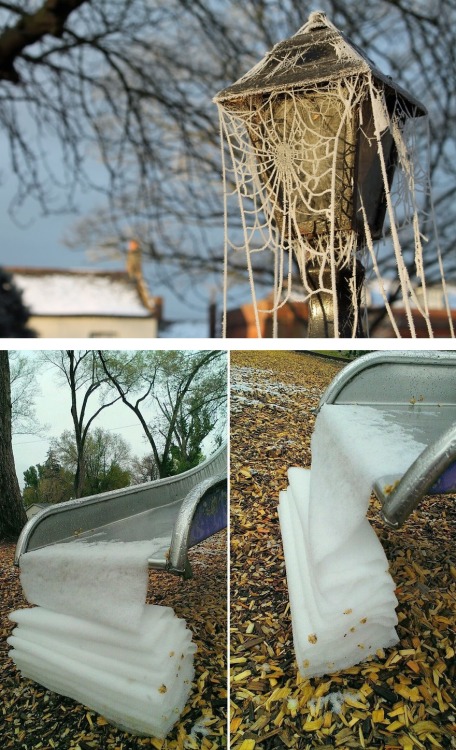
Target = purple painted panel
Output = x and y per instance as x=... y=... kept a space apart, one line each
x=446 y=482
x=210 y=516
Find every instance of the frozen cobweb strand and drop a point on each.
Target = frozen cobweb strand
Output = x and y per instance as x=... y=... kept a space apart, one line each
x=93 y=638
x=341 y=593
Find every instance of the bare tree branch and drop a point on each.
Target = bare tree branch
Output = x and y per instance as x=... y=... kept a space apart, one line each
x=129 y=84
x=31 y=28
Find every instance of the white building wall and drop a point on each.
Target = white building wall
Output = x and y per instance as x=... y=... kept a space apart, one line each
x=93 y=326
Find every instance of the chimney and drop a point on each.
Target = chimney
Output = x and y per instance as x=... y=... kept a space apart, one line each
x=134 y=260
x=134 y=270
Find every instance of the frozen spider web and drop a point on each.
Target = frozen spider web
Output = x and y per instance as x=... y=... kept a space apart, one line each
x=311 y=170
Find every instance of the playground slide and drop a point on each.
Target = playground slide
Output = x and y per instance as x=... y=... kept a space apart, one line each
x=388 y=421
x=174 y=514
x=417 y=391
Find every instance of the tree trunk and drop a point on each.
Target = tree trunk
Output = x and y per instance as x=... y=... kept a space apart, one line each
x=12 y=513
x=79 y=477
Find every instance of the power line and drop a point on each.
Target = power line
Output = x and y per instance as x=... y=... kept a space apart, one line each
x=46 y=440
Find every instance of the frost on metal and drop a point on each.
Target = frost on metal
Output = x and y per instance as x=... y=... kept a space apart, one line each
x=315 y=133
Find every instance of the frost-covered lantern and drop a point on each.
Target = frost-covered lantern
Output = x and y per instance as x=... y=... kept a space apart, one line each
x=314 y=133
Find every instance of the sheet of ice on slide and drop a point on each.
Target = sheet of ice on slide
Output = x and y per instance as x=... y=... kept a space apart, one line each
x=93 y=638
x=104 y=581
x=341 y=593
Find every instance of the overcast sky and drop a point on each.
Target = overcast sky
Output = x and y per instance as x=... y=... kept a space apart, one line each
x=53 y=408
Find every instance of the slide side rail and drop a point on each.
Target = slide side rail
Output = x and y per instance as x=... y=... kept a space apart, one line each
x=409 y=386
x=147 y=511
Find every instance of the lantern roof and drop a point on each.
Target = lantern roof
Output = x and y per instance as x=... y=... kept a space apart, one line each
x=318 y=53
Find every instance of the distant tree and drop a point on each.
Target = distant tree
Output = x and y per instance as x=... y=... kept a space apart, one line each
x=24 y=389
x=13 y=314
x=106 y=460
x=47 y=483
x=143 y=469
x=82 y=372
x=12 y=513
x=185 y=392
x=31 y=492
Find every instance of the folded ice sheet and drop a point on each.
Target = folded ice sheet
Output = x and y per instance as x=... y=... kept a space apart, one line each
x=145 y=699
x=93 y=638
x=341 y=594
x=143 y=696
x=157 y=625
x=103 y=581
x=154 y=621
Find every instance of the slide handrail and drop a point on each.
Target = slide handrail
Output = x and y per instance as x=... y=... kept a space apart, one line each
x=428 y=473
x=399 y=383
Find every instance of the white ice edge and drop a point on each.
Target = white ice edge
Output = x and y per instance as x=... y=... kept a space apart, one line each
x=342 y=597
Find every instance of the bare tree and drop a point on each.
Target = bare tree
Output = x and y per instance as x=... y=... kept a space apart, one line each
x=12 y=513
x=84 y=377
x=108 y=81
x=185 y=391
x=130 y=83
x=143 y=469
x=24 y=389
x=179 y=222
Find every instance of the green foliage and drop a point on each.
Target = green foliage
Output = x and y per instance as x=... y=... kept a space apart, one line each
x=111 y=478
x=47 y=483
x=193 y=424
x=32 y=478
x=106 y=460
x=106 y=468
x=143 y=469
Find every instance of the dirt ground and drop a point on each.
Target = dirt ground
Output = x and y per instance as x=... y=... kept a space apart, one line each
x=32 y=717
x=401 y=700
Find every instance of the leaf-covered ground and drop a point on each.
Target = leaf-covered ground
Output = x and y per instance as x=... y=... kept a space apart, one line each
x=401 y=700
x=33 y=718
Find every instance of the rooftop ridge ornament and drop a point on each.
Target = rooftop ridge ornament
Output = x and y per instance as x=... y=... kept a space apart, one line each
x=314 y=133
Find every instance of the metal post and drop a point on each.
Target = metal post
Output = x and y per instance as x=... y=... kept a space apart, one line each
x=321 y=304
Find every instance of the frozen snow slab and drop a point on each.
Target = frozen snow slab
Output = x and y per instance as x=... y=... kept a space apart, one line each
x=93 y=638
x=341 y=594
x=342 y=617
x=144 y=697
x=103 y=581
x=66 y=632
